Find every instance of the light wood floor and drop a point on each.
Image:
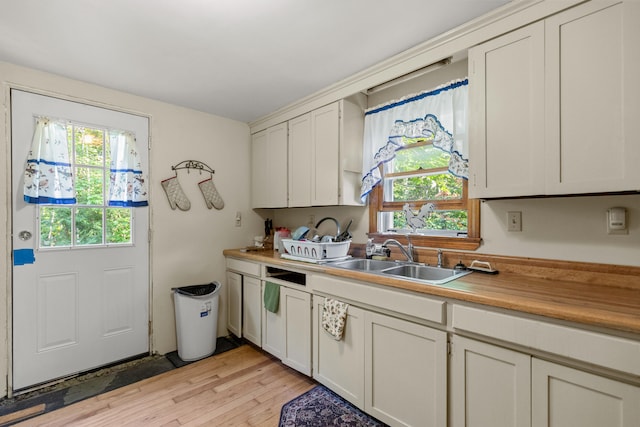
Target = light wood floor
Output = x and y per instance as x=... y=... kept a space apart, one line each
x=241 y=387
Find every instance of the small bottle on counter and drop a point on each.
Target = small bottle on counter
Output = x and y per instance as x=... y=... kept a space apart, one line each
x=370 y=249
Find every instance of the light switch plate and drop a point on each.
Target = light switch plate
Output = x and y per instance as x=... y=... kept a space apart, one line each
x=514 y=221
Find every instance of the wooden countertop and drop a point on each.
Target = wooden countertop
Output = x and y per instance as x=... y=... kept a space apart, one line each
x=614 y=305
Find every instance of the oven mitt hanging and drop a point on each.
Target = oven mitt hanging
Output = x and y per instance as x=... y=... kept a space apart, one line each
x=211 y=195
x=175 y=194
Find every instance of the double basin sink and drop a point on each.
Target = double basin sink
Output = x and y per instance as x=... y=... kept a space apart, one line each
x=415 y=272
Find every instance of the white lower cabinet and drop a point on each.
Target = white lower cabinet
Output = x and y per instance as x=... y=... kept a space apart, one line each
x=405 y=372
x=393 y=369
x=490 y=385
x=252 y=310
x=339 y=365
x=243 y=299
x=494 y=386
x=563 y=396
x=286 y=334
x=234 y=303
x=273 y=330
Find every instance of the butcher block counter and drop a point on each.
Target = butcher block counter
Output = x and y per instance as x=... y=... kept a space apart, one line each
x=591 y=294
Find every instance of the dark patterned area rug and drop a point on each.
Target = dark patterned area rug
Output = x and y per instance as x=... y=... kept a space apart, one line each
x=321 y=407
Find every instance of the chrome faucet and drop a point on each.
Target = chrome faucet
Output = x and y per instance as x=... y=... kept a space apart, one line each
x=439 y=258
x=408 y=252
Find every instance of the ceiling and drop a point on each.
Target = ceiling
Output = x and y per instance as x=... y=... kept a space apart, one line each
x=239 y=59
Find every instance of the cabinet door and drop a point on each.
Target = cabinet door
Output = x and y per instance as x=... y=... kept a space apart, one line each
x=490 y=385
x=593 y=98
x=563 y=396
x=325 y=128
x=296 y=307
x=300 y=158
x=234 y=303
x=506 y=128
x=269 y=168
x=339 y=364
x=273 y=338
x=252 y=310
x=405 y=372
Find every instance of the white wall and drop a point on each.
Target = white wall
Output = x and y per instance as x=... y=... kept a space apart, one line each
x=566 y=228
x=186 y=246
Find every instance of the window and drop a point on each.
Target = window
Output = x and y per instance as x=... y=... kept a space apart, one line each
x=417 y=176
x=415 y=160
x=89 y=222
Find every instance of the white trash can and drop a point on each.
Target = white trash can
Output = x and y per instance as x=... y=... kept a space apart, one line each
x=196 y=320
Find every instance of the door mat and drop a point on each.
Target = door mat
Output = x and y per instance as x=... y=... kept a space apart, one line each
x=222 y=344
x=93 y=383
x=87 y=385
x=321 y=407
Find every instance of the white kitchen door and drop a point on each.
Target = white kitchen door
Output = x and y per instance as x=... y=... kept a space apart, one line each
x=80 y=286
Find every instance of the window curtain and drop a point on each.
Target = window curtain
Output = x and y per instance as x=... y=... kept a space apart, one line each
x=439 y=115
x=128 y=187
x=48 y=176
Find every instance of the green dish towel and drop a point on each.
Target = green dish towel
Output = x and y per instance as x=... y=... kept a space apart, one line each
x=271 y=296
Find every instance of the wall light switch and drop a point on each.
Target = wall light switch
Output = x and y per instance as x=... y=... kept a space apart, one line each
x=238 y=219
x=514 y=221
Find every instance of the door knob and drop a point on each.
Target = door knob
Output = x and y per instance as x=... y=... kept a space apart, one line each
x=24 y=235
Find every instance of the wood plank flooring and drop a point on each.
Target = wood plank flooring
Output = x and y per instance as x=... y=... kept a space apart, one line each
x=241 y=387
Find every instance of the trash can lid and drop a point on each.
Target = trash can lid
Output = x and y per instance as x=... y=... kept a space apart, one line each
x=198 y=290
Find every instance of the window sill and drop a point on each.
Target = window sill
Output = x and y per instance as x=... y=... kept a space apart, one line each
x=440 y=242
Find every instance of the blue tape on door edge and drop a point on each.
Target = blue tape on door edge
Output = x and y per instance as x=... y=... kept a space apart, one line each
x=23 y=256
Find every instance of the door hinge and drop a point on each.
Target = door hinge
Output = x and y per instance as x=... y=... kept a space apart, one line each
x=449 y=348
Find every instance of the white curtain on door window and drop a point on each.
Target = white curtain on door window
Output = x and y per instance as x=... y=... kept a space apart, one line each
x=128 y=187
x=439 y=115
x=48 y=177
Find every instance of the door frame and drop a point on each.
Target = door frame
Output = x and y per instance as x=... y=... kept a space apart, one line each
x=6 y=332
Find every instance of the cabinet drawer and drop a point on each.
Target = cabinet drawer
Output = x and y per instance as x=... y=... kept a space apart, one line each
x=244 y=267
x=414 y=305
x=592 y=347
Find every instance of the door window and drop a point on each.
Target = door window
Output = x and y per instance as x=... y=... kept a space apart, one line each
x=90 y=222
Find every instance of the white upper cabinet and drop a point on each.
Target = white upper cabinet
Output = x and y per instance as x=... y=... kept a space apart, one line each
x=593 y=98
x=300 y=156
x=325 y=155
x=311 y=160
x=325 y=165
x=506 y=93
x=269 y=167
x=554 y=105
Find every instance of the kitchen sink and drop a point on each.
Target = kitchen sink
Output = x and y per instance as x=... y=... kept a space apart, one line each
x=415 y=272
x=364 y=264
x=425 y=273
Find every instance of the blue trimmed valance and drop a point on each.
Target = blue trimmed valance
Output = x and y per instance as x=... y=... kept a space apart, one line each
x=439 y=115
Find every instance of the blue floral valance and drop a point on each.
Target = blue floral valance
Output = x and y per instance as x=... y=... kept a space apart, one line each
x=48 y=177
x=128 y=187
x=439 y=115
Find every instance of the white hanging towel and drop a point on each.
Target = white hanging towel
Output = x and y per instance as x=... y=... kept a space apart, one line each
x=334 y=317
